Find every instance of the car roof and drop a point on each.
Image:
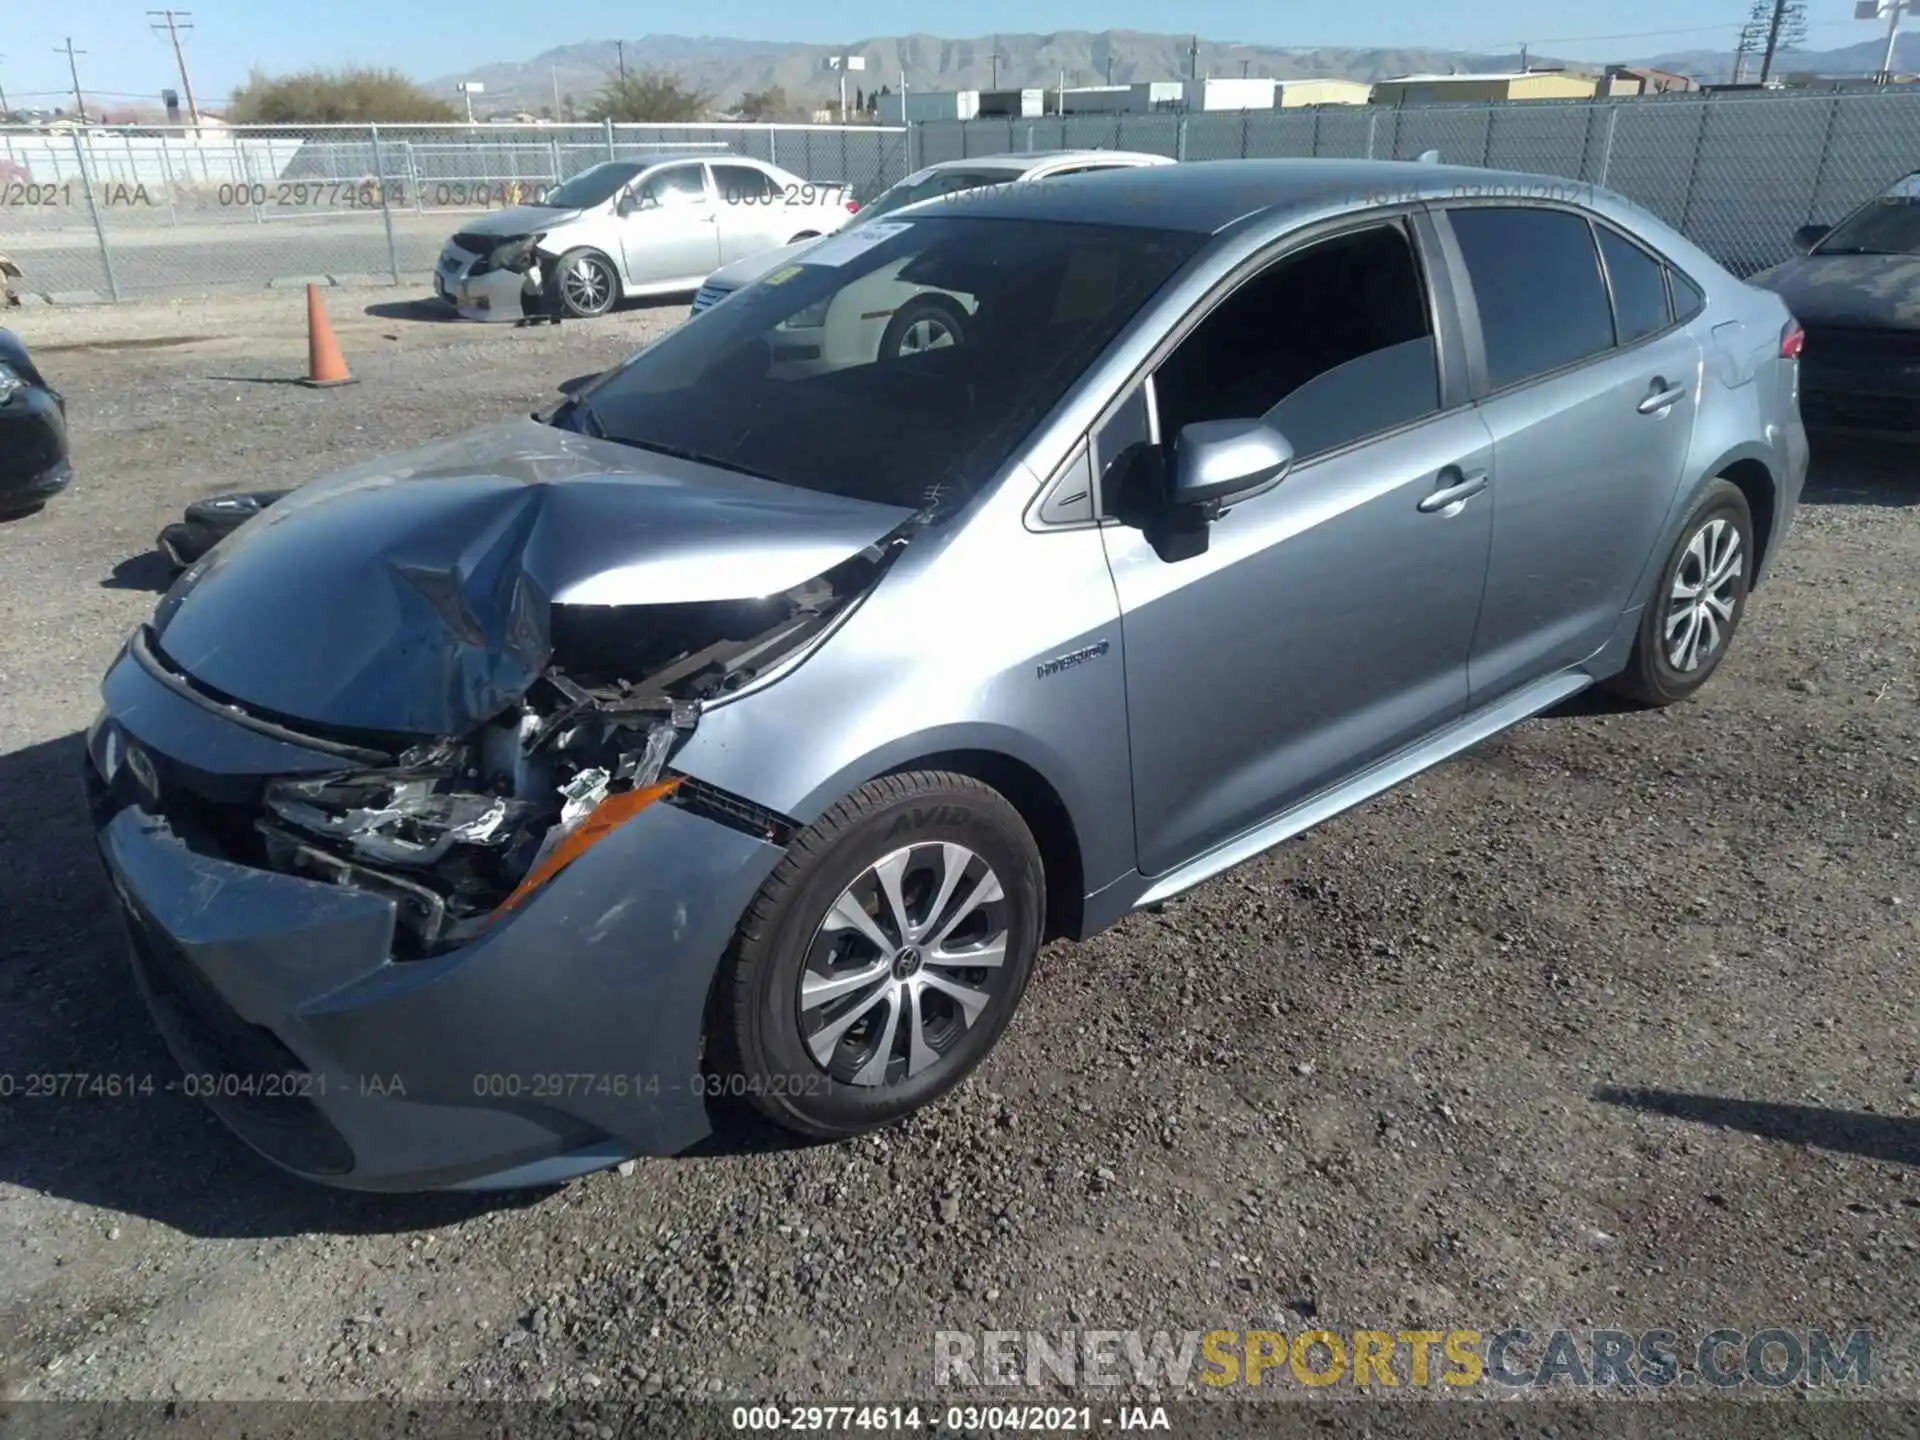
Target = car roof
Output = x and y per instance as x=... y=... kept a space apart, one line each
x=669 y=157
x=1207 y=196
x=1034 y=159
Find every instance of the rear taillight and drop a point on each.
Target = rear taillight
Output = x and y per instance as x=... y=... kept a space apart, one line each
x=853 y=207
x=1792 y=341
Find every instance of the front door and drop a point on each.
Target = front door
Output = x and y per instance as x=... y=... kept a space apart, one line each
x=670 y=235
x=1329 y=620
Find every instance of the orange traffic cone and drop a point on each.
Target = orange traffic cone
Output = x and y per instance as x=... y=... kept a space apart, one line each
x=325 y=364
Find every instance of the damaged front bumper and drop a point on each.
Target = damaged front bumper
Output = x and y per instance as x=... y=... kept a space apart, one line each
x=557 y=1040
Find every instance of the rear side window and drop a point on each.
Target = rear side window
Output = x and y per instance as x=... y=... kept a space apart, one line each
x=1536 y=279
x=1639 y=287
x=744 y=185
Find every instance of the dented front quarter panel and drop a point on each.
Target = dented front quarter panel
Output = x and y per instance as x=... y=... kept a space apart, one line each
x=412 y=595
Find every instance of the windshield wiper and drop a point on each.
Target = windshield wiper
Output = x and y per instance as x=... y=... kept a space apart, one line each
x=1855 y=250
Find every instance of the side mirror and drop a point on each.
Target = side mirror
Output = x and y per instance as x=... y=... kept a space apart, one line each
x=573 y=387
x=1808 y=236
x=1220 y=460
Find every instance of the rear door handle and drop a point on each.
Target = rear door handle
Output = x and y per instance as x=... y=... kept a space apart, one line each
x=1464 y=488
x=1662 y=398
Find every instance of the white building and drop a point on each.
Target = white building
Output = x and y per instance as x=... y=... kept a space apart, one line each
x=904 y=107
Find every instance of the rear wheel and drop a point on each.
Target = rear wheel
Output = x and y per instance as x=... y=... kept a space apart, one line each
x=884 y=957
x=588 y=284
x=1696 y=604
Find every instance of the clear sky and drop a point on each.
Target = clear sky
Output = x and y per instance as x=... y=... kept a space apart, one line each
x=430 y=38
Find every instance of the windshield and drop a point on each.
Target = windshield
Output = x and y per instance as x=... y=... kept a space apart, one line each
x=928 y=184
x=903 y=364
x=593 y=186
x=1886 y=225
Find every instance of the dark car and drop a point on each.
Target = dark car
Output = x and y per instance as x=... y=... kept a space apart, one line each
x=33 y=433
x=1856 y=294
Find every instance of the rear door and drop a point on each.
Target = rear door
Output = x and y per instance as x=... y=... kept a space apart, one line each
x=1589 y=388
x=755 y=213
x=671 y=235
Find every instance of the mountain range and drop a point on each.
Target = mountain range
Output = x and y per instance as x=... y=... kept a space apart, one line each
x=726 y=68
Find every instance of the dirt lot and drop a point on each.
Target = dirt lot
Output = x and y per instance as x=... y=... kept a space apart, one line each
x=1609 y=1024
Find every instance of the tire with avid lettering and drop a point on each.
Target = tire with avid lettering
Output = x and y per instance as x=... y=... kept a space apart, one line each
x=884 y=956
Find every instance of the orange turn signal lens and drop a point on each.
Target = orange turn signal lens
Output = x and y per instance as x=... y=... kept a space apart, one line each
x=605 y=818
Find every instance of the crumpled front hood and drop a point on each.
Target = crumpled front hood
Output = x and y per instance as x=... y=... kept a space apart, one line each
x=1865 y=290
x=412 y=595
x=518 y=220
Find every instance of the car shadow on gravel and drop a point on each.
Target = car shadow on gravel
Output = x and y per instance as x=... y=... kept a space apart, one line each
x=149 y=570
x=74 y=1031
x=1849 y=1132
x=432 y=312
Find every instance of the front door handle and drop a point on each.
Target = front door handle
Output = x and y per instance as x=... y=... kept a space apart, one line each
x=1662 y=397
x=1447 y=498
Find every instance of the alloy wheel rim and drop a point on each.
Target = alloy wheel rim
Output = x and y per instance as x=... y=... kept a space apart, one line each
x=909 y=959
x=1704 y=596
x=587 y=285
x=928 y=333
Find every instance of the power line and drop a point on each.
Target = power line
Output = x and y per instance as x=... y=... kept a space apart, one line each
x=171 y=19
x=73 y=69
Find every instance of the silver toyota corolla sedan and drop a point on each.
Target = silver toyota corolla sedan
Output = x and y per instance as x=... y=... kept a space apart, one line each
x=626 y=228
x=492 y=812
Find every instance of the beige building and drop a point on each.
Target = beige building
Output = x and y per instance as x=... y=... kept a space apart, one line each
x=1518 y=85
x=1323 y=90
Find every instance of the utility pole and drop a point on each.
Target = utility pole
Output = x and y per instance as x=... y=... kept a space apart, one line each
x=1109 y=69
x=994 y=57
x=1193 y=58
x=1523 y=57
x=79 y=102
x=620 y=49
x=1773 y=39
x=554 y=71
x=171 y=19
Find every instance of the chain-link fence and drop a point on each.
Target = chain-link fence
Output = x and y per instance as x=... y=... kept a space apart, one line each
x=1735 y=173
x=107 y=213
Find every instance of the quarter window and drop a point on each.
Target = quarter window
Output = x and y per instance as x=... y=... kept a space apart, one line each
x=1639 y=288
x=1536 y=280
x=1330 y=344
x=1688 y=299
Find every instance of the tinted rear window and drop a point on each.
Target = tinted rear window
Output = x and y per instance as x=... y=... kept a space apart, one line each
x=1536 y=278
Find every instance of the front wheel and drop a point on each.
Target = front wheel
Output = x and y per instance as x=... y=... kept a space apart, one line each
x=588 y=285
x=926 y=322
x=1697 y=603
x=884 y=956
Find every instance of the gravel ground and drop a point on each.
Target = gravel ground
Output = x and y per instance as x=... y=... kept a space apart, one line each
x=1609 y=1023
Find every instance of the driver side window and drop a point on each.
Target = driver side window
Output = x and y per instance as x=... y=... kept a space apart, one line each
x=1330 y=344
x=677 y=185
